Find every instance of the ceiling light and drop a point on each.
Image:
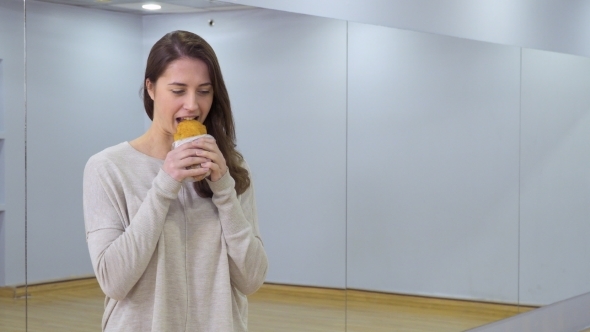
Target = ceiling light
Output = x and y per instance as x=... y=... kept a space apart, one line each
x=151 y=7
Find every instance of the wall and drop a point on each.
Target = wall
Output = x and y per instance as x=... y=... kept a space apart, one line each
x=83 y=78
x=555 y=177
x=552 y=25
x=433 y=153
x=12 y=126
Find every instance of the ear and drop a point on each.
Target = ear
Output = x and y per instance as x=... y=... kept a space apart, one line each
x=150 y=88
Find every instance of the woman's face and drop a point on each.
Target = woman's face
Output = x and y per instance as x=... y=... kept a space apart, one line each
x=183 y=91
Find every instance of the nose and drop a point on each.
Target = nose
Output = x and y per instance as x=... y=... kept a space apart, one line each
x=191 y=102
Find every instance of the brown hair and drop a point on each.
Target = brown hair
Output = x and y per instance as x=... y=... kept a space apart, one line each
x=219 y=121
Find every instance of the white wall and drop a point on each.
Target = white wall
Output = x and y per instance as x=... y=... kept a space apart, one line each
x=12 y=125
x=286 y=76
x=84 y=72
x=433 y=129
x=554 y=25
x=555 y=177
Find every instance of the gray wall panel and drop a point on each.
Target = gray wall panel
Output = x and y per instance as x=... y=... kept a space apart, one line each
x=12 y=125
x=432 y=165
x=555 y=177
x=84 y=74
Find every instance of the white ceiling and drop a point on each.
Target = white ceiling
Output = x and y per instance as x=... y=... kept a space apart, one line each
x=168 y=6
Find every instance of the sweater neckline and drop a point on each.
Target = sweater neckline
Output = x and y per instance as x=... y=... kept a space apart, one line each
x=135 y=151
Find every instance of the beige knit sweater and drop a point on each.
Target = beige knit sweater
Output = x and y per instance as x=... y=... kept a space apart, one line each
x=167 y=259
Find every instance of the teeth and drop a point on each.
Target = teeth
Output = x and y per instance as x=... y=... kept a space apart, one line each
x=186 y=118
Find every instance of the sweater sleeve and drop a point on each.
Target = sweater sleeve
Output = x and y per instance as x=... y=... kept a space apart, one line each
x=120 y=249
x=248 y=262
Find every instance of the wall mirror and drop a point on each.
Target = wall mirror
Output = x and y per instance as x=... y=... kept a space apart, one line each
x=397 y=172
x=12 y=171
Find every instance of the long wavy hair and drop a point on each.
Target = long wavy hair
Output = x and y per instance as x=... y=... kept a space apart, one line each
x=219 y=121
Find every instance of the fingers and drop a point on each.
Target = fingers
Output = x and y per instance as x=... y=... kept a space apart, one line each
x=185 y=151
x=206 y=144
x=210 y=156
x=203 y=152
x=194 y=170
x=207 y=147
x=198 y=174
x=201 y=176
x=192 y=161
x=180 y=162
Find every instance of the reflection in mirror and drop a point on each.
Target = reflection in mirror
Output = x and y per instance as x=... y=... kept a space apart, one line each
x=85 y=68
x=441 y=224
x=12 y=171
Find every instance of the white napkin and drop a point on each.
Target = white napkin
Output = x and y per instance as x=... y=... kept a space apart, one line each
x=187 y=140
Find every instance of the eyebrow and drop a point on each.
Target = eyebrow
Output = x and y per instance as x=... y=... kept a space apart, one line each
x=183 y=84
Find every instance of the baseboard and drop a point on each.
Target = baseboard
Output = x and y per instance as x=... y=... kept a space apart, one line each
x=50 y=286
x=421 y=301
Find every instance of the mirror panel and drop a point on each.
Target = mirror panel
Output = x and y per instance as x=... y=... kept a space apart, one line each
x=12 y=171
x=525 y=163
x=555 y=177
x=440 y=116
x=82 y=71
x=447 y=199
x=516 y=157
x=78 y=105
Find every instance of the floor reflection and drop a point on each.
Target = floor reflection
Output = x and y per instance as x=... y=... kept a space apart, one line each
x=379 y=312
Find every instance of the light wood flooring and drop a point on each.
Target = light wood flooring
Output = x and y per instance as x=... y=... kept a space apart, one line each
x=78 y=305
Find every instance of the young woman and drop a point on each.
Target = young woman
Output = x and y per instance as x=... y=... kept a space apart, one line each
x=170 y=254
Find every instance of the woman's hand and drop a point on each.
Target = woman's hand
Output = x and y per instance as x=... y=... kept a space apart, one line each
x=178 y=163
x=207 y=148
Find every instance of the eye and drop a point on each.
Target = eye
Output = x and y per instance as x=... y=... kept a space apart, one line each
x=204 y=92
x=177 y=92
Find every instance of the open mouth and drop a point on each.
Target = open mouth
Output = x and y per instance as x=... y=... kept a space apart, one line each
x=178 y=120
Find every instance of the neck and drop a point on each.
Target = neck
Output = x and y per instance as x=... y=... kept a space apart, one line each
x=153 y=143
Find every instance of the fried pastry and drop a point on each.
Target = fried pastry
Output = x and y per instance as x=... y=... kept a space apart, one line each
x=187 y=131
x=189 y=128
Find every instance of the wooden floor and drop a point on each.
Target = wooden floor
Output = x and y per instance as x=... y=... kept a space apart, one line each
x=78 y=306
